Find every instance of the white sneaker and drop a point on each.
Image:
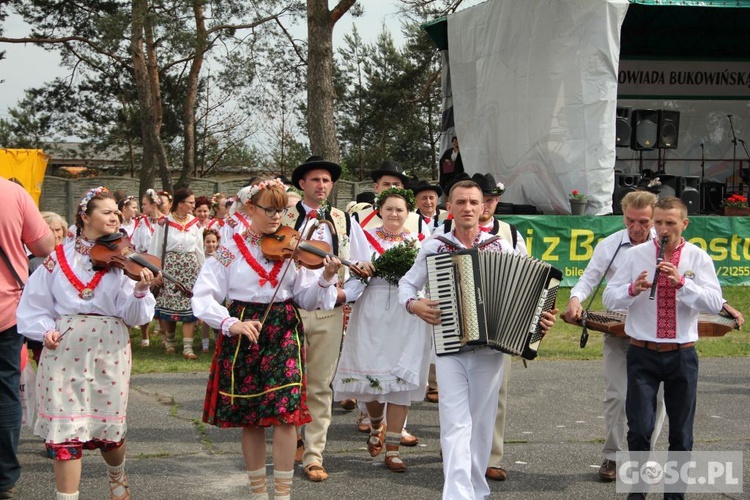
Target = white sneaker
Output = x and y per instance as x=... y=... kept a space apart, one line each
x=144 y=343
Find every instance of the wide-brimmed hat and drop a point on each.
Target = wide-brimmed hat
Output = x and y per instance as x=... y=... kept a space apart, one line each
x=419 y=186
x=488 y=184
x=389 y=167
x=313 y=163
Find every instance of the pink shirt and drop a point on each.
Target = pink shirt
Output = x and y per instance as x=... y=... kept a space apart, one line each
x=20 y=223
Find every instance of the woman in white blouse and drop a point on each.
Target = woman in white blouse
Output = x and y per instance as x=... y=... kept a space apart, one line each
x=82 y=317
x=256 y=378
x=178 y=242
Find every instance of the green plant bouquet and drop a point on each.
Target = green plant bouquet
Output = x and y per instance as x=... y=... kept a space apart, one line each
x=396 y=261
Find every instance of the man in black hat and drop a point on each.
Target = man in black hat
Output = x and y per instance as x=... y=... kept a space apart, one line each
x=427 y=197
x=323 y=329
x=491 y=192
x=388 y=175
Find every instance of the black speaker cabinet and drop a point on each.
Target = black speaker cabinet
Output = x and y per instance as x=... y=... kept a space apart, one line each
x=688 y=189
x=622 y=128
x=644 y=123
x=669 y=129
x=670 y=185
x=712 y=194
x=624 y=184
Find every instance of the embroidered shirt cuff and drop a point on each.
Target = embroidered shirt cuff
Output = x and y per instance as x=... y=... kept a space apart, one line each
x=681 y=283
x=631 y=292
x=226 y=324
x=408 y=305
x=325 y=284
x=141 y=294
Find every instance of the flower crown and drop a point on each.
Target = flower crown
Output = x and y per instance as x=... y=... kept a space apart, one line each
x=155 y=199
x=165 y=193
x=257 y=188
x=215 y=200
x=406 y=194
x=89 y=196
x=213 y=231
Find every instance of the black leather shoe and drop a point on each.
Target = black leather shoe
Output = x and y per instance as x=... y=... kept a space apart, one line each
x=608 y=471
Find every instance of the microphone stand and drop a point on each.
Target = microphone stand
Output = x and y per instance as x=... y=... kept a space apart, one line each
x=734 y=153
x=744 y=146
x=703 y=163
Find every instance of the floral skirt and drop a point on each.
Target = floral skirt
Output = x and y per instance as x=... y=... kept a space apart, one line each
x=263 y=384
x=172 y=304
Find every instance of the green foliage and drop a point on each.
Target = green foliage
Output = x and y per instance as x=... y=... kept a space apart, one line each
x=395 y=262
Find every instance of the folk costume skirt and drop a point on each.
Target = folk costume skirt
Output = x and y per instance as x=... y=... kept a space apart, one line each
x=82 y=386
x=263 y=384
x=172 y=304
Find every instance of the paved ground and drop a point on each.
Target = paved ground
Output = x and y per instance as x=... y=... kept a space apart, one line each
x=554 y=434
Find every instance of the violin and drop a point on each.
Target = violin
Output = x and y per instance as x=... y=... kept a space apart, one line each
x=286 y=243
x=116 y=251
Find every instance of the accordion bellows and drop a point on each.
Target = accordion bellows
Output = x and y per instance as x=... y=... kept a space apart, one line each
x=490 y=298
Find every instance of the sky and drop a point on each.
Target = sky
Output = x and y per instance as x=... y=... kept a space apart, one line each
x=28 y=66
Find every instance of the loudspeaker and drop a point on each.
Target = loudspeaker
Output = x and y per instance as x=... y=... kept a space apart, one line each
x=644 y=123
x=689 y=193
x=624 y=184
x=622 y=128
x=669 y=129
x=712 y=194
x=670 y=185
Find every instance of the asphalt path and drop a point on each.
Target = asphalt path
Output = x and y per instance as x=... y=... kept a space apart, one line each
x=554 y=436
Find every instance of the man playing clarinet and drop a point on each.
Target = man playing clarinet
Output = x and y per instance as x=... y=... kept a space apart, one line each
x=663 y=330
x=470 y=379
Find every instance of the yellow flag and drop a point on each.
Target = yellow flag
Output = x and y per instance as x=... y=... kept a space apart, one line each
x=25 y=167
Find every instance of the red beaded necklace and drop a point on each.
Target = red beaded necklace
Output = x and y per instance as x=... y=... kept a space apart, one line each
x=86 y=292
x=263 y=276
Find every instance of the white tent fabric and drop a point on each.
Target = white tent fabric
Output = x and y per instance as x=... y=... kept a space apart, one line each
x=534 y=94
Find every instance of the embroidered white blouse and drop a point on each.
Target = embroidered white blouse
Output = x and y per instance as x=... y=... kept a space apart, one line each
x=49 y=294
x=180 y=239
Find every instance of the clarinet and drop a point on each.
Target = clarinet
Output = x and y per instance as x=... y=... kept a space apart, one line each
x=659 y=260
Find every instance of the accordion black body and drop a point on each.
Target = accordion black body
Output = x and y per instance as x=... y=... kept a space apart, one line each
x=490 y=298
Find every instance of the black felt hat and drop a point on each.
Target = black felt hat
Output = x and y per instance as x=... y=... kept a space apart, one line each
x=419 y=186
x=313 y=163
x=488 y=184
x=389 y=167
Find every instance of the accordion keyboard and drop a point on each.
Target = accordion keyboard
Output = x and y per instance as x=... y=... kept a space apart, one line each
x=442 y=287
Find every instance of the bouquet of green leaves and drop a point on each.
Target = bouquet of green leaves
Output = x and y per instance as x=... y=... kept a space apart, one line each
x=396 y=261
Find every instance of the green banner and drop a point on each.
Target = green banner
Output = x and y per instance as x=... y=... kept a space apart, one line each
x=567 y=242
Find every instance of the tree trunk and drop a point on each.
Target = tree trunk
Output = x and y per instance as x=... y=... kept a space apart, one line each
x=188 y=160
x=146 y=77
x=320 y=92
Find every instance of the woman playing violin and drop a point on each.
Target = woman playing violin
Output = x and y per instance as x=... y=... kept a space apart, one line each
x=257 y=377
x=82 y=317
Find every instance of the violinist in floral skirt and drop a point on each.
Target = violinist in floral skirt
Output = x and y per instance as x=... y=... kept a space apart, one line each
x=82 y=316
x=257 y=377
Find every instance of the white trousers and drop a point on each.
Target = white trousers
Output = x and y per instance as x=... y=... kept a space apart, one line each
x=615 y=352
x=469 y=384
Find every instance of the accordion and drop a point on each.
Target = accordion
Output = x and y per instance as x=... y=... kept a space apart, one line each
x=490 y=298
x=709 y=325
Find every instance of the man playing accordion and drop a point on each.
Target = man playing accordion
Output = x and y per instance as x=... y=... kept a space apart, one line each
x=470 y=379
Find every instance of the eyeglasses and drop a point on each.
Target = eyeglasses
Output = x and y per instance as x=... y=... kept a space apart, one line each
x=270 y=212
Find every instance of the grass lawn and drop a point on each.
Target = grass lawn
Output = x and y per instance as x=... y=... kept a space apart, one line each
x=561 y=343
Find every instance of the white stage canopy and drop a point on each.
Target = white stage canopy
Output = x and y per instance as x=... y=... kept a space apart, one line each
x=534 y=87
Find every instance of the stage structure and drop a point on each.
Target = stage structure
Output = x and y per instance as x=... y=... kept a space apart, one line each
x=539 y=93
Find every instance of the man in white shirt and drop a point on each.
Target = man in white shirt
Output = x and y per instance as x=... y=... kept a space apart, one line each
x=470 y=379
x=663 y=331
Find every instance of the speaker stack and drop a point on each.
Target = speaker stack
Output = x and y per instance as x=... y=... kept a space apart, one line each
x=712 y=194
x=644 y=125
x=667 y=136
x=622 y=128
x=624 y=184
x=690 y=194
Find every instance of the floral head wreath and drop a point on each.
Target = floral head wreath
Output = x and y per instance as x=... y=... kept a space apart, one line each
x=155 y=199
x=257 y=188
x=215 y=200
x=213 y=231
x=89 y=196
x=406 y=194
x=166 y=194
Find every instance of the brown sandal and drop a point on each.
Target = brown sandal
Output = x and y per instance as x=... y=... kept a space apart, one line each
x=374 y=448
x=393 y=459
